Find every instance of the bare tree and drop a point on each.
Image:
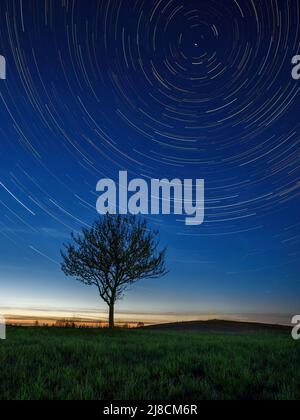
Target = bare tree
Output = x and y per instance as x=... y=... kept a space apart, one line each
x=116 y=252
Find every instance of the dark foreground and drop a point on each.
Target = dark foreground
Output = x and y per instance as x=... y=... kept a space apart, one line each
x=148 y=365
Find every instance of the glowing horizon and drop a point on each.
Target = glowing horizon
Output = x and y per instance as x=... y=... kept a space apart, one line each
x=98 y=316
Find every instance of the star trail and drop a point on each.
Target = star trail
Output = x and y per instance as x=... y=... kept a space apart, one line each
x=161 y=89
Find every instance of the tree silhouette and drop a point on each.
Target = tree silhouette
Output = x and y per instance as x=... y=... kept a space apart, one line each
x=116 y=252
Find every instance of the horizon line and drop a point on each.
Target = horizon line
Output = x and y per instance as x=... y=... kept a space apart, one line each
x=23 y=314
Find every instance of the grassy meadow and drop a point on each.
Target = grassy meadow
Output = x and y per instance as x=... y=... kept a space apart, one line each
x=40 y=363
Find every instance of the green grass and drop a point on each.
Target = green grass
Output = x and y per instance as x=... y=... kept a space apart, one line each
x=144 y=365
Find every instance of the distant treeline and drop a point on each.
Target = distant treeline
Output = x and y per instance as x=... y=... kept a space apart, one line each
x=69 y=323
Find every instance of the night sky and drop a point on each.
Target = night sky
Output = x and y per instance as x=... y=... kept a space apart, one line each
x=162 y=89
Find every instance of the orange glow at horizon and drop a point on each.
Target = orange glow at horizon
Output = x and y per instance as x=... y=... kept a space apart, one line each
x=44 y=316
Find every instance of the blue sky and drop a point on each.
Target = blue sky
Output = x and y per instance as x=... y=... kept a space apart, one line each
x=182 y=90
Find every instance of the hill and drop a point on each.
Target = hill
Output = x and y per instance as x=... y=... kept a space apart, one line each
x=222 y=327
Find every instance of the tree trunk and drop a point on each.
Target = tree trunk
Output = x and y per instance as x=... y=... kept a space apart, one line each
x=111 y=315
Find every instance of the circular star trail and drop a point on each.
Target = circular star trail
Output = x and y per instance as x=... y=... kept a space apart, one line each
x=159 y=88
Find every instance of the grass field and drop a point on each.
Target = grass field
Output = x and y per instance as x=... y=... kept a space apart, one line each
x=144 y=364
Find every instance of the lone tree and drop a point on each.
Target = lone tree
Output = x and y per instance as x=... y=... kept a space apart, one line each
x=116 y=252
